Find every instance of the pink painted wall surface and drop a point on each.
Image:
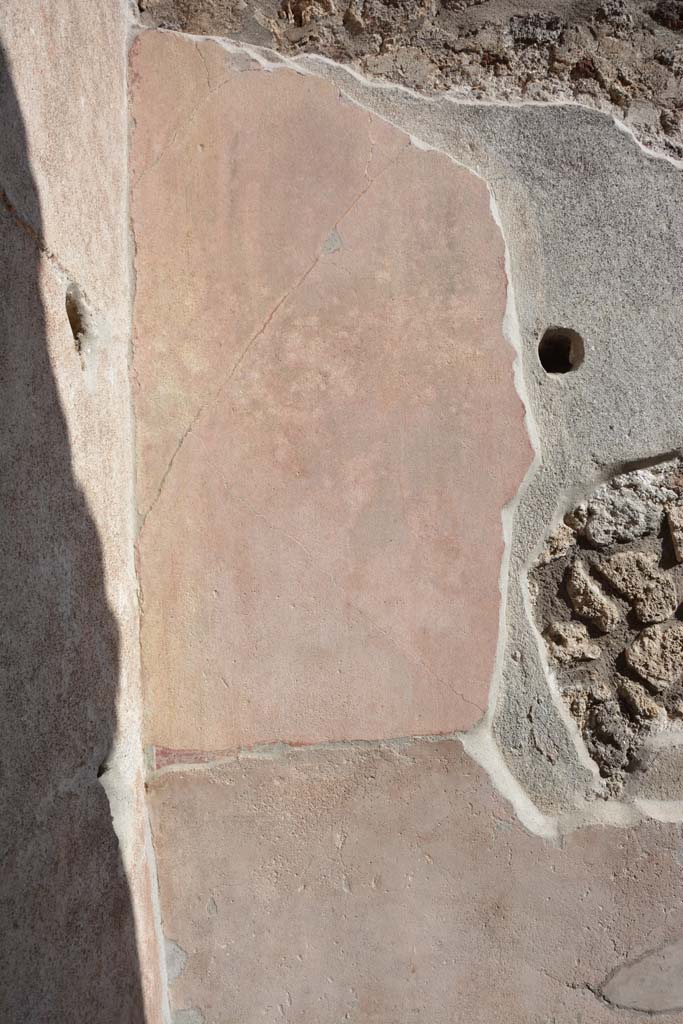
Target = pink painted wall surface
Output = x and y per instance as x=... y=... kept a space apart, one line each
x=327 y=424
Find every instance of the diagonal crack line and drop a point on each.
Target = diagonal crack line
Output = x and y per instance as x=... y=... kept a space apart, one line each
x=213 y=398
x=224 y=383
x=206 y=67
x=371 y=181
x=180 y=444
x=27 y=228
x=183 y=126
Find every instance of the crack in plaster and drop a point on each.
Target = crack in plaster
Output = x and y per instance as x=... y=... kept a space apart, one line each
x=51 y=259
x=187 y=121
x=209 y=403
x=181 y=128
x=213 y=398
x=280 y=749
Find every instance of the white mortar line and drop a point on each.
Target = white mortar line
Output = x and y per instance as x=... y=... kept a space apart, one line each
x=481 y=744
x=269 y=59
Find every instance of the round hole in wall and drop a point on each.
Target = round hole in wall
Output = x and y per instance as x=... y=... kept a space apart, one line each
x=560 y=350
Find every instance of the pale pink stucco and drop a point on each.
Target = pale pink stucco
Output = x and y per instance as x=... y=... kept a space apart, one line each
x=390 y=885
x=327 y=423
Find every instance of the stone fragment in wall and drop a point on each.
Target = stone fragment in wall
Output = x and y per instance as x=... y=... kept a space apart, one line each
x=536 y=29
x=656 y=654
x=580 y=699
x=639 y=702
x=616 y=14
x=669 y=13
x=674 y=518
x=588 y=600
x=569 y=641
x=558 y=544
x=675 y=707
x=613 y=721
x=609 y=738
x=628 y=507
x=303 y=12
x=636 y=576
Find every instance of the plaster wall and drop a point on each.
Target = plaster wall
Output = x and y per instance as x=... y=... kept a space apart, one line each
x=373 y=878
x=77 y=935
x=291 y=502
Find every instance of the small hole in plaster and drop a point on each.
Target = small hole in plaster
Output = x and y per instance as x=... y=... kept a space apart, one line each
x=77 y=313
x=560 y=350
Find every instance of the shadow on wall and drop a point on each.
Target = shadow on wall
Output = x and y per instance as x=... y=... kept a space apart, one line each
x=67 y=941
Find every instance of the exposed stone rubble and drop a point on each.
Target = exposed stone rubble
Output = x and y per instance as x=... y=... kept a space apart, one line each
x=588 y=600
x=609 y=609
x=570 y=641
x=636 y=577
x=674 y=516
x=656 y=655
x=558 y=544
x=618 y=55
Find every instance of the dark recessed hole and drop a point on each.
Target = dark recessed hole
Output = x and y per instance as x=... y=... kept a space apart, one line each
x=560 y=350
x=76 y=312
x=102 y=769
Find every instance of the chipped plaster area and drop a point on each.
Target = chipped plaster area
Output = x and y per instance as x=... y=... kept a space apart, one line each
x=622 y=56
x=607 y=596
x=593 y=225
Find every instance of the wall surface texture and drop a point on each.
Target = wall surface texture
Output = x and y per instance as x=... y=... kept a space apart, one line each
x=77 y=940
x=341 y=469
x=330 y=535
x=372 y=523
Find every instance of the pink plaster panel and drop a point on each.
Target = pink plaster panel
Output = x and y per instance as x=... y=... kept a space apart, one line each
x=327 y=423
x=386 y=885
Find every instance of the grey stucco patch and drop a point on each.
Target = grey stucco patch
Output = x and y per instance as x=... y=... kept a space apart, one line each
x=651 y=983
x=176 y=959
